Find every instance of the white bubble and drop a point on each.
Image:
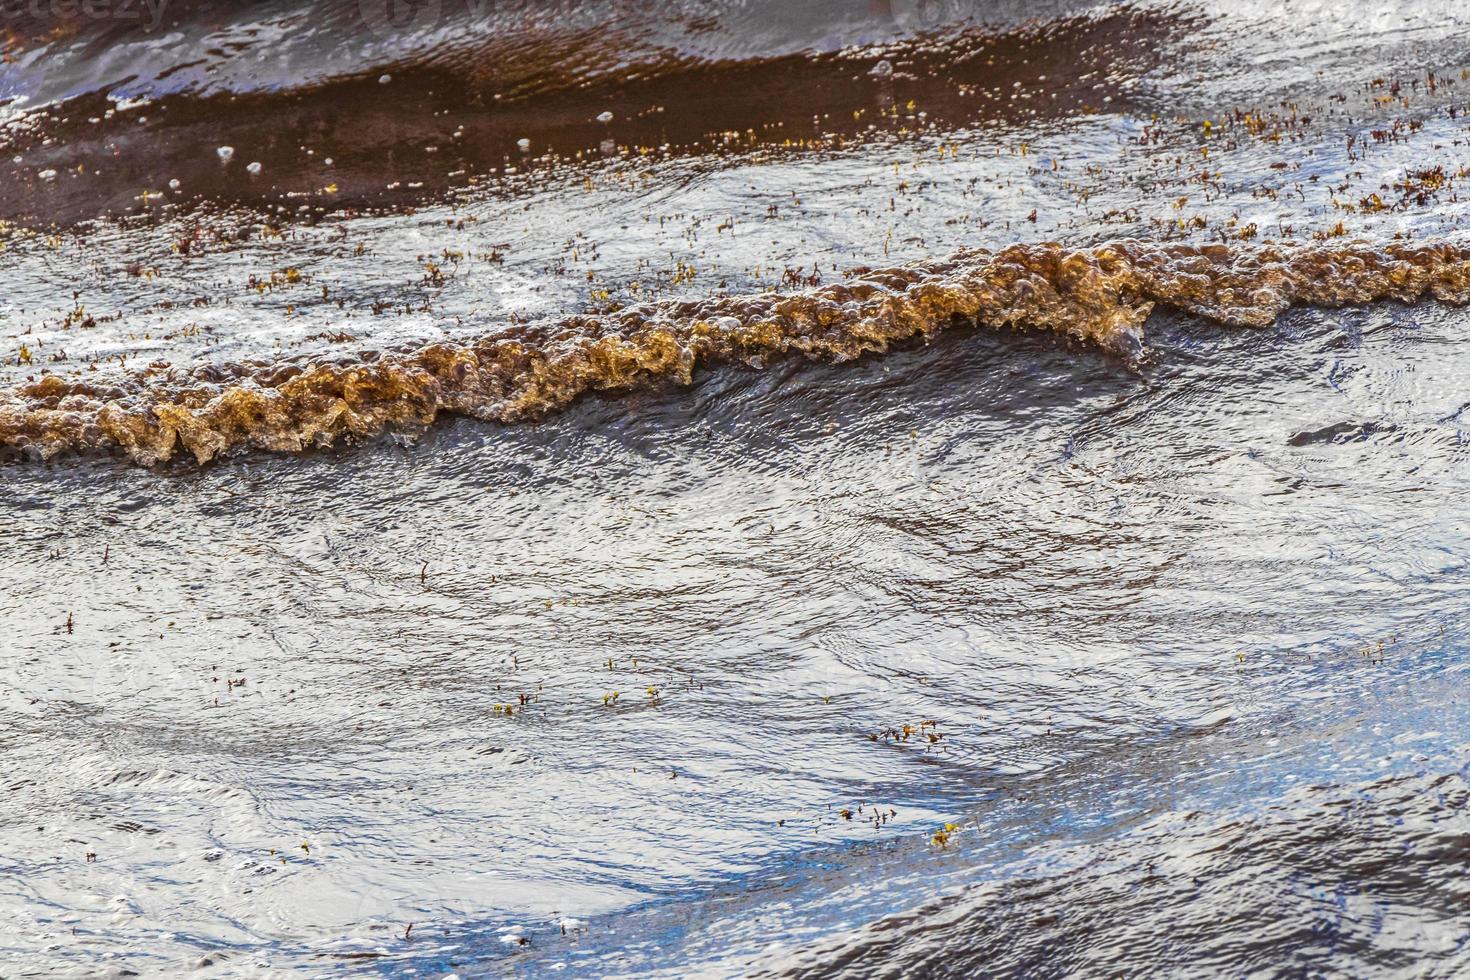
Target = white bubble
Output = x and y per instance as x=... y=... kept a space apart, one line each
x=605 y=117
x=254 y=167
x=226 y=153
x=328 y=161
x=173 y=185
x=882 y=69
x=524 y=144
x=47 y=175
x=384 y=79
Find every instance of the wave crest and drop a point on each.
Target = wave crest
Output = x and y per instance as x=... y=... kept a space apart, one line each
x=1101 y=295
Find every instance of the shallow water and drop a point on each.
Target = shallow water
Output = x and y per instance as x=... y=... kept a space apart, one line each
x=983 y=650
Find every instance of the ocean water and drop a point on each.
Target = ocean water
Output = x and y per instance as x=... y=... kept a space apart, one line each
x=948 y=489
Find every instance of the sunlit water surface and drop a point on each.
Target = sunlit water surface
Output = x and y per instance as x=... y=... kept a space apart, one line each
x=1000 y=654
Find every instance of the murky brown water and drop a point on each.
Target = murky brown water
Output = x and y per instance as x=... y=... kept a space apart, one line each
x=961 y=491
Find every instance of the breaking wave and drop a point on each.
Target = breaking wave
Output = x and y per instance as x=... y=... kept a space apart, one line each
x=1100 y=295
